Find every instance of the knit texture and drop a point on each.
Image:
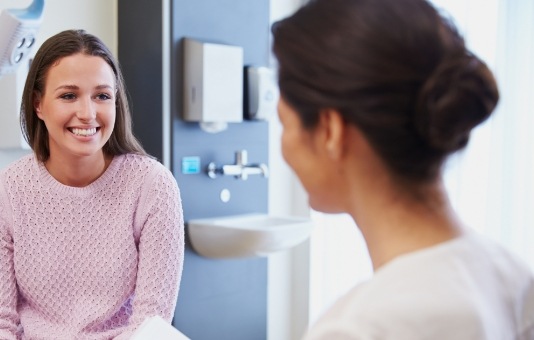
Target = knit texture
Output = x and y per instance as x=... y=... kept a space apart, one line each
x=91 y=262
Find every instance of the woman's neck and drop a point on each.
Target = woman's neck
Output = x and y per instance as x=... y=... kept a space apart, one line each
x=394 y=223
x=79 y=172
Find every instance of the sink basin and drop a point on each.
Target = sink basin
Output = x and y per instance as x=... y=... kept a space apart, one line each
x=247 y=235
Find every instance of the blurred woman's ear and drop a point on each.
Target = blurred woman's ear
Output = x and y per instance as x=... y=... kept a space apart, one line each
x=333 y=126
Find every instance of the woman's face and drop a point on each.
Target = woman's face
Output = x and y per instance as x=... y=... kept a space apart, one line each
x=304 y=151
x=78 y=106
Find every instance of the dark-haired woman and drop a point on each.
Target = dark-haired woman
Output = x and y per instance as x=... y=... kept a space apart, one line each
x=91 y=228
x=375 y=95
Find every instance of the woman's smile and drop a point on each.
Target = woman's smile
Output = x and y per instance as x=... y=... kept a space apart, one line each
x=84 y=132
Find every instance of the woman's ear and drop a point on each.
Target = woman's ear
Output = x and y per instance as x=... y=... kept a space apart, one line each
x=37 y=104
x=334 y=129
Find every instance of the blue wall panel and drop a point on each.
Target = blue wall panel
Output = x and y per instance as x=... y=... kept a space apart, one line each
x=219 y=299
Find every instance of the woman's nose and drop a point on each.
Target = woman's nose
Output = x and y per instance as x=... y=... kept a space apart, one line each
x=86 y=111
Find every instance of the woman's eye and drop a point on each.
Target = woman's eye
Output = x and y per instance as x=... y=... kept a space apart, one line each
x=68 y=96
x=103 y=96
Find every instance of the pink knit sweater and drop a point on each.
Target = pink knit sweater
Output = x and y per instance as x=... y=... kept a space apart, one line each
x=92 y=262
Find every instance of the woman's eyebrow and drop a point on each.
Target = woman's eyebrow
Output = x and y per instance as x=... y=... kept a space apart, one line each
x=104 y=86
x=75 y=87
x=67 y=87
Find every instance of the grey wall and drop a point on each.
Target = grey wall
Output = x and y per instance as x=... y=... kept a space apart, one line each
x=140 y=56
x=219 y=299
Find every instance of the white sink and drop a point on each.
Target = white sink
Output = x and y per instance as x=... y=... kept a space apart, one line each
x=247 y=235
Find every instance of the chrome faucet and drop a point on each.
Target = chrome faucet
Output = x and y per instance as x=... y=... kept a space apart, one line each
x=240 y=170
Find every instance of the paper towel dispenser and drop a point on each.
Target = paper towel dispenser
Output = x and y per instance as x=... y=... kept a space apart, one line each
x=213 y=83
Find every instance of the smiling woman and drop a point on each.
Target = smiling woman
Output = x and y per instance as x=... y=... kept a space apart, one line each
x=91 y=228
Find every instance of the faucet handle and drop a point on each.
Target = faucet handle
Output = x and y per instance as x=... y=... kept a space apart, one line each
x=240 y=170
x=241 y=157
x=212 y=170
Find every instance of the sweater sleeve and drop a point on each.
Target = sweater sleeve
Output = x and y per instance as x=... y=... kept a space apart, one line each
x=161 y=250
x=9 y=318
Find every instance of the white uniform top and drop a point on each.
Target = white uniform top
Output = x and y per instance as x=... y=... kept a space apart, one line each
x=466 y=288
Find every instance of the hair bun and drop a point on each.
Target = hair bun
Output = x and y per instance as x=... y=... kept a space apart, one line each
x=460 y=94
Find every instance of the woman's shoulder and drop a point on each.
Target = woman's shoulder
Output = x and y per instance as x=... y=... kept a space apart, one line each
x=143 y=166
x=137 y=163
x=458 y=281
x=20 y=177
x=19 y=167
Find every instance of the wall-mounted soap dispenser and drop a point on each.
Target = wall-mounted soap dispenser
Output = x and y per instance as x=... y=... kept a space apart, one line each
x=262 y=93
x=213 y=84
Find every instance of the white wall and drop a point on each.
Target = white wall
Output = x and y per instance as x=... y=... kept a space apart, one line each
x=288 y=286
x=98 y=17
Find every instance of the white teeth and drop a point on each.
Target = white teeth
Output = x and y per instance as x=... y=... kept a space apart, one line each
x=83 y=132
